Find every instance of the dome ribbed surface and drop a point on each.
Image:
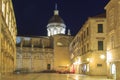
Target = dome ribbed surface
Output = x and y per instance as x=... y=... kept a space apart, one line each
x=56 y=19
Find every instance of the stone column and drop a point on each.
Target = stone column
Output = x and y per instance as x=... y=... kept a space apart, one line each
x=6 y=64
x=4 y=58
x=0 y=38
x=118 y=70
x=108 y=70
x=0 y=49
x=1 y=62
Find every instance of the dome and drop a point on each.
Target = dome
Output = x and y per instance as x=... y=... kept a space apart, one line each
x=56 y=24
x=56 y=19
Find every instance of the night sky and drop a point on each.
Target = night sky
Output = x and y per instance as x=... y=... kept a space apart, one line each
x=32 y=16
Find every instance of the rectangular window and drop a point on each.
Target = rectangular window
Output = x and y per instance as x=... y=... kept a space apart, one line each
x=100 y=28
x=99 y=65
x=100 y=45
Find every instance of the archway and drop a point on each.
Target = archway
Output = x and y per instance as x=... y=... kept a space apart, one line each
x=113 y=71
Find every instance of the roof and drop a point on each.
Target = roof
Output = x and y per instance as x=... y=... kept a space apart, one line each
x=56 y=19
x=103 y=15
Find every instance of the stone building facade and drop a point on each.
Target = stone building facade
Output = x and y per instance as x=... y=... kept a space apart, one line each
x=88 y=48
x=113 y=39
x=8 y=34
x=61 y=52
x=36 y=54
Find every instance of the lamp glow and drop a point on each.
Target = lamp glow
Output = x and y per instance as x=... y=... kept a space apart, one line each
x=102 y=56
x=88 y=59
x=109 y=56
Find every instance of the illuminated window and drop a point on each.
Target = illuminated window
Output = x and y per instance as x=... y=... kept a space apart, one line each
x=55 y=31
x=85 y=67
x=58 y=30
x=59 y=44
x=27 y=38
x=100 y=28
x=88 y=68
x=48 y=32
x=113 y=71
x=63 y=31
x=18 y=40
x=52 y=30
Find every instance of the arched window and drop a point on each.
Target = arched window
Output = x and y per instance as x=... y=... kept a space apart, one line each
x=62 y=42
x=55 y=31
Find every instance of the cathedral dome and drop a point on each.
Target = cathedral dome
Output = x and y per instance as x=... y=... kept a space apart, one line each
x=56 y=19
x=56 y=24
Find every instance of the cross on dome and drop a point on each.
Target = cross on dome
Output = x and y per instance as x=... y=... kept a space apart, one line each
x=56 y=12
x=55 y=6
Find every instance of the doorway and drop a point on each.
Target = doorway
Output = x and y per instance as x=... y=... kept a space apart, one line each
x=113 y=71
x=48 y=66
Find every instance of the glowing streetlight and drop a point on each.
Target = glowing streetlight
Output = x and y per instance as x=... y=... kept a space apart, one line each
x=88 y=59
x=102 y=56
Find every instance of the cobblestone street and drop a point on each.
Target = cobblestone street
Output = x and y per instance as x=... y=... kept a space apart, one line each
x=52 y=77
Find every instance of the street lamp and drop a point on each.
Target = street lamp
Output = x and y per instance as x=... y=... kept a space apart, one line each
x=88 y=59
x=102 y=56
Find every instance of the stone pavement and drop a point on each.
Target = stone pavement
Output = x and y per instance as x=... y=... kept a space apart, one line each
x=48 y=76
